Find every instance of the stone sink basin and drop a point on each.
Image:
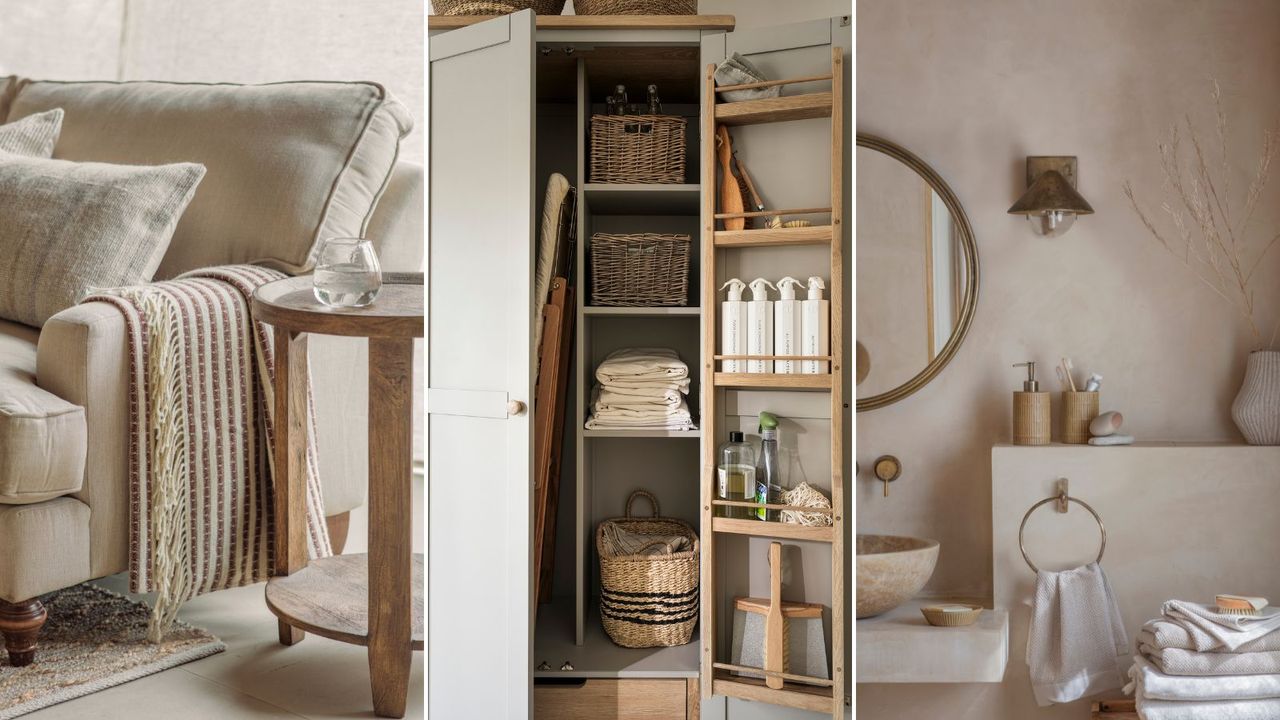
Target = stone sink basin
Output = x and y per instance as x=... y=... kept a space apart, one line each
x=891 y=570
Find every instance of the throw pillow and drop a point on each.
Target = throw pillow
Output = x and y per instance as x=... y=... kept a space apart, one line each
x=33 y=136
x=67 y=228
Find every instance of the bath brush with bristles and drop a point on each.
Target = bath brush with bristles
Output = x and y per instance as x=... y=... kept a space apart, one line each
x=1239 y=604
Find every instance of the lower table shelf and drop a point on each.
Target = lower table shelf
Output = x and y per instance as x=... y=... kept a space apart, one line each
x=330 y=597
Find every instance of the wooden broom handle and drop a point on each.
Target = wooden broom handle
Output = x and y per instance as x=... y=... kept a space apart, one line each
x=774 y=637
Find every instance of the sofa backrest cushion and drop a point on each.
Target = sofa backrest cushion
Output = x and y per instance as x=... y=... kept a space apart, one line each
x=288 y=163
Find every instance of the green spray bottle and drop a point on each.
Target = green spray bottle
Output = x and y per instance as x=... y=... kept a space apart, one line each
x=768 y=474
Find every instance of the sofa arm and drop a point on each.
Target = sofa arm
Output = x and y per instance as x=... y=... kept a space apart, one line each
x=83 y=357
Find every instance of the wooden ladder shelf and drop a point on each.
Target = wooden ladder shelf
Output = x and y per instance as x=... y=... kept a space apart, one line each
x=718 y=678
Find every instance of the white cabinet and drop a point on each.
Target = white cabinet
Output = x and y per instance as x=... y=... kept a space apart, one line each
x=510 y=101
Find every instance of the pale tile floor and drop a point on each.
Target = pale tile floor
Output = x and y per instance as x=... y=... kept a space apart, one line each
x=255 y=677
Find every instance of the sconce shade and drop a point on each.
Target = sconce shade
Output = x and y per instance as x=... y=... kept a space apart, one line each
x=1051 y=192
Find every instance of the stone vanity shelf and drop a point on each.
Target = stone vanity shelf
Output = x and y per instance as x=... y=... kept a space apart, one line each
x=900 y=647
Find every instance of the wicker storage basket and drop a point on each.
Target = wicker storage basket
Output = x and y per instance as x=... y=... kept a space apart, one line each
x=648 y=600
x=635 y=7
x=640 y=270
x=637 y=149
x=496 y=7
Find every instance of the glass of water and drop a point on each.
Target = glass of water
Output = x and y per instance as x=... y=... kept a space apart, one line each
x=347 y=273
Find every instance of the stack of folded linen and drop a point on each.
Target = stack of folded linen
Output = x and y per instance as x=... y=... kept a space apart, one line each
x=641 y=389
x=1195 y=663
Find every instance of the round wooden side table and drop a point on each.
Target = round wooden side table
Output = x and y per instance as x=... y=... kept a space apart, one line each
x=373 y=600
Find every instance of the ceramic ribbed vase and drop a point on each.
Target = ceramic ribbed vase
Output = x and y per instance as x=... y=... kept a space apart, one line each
x=1256 y=409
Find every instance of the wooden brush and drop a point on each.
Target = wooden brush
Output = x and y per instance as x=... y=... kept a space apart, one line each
x=1239 y=604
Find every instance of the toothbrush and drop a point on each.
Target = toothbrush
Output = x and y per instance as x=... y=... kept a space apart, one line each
x=1067 y=367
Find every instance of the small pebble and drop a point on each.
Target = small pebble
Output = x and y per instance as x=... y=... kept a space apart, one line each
x=1112 y=440
x=1108 y=423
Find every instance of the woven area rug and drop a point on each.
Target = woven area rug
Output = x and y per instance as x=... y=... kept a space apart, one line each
x=94 y=639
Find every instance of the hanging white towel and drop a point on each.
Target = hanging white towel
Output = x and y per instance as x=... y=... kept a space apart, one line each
x=1076 y=645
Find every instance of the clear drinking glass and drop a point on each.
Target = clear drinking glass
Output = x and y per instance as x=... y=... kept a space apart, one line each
x=347 y=273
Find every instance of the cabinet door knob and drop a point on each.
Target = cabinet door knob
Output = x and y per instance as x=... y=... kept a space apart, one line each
x=515 y=407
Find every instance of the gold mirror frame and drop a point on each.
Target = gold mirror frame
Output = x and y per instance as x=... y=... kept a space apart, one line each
x=970 y=301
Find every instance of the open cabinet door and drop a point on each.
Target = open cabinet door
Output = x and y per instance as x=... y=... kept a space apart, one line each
x=800 y=156
x=479 y=371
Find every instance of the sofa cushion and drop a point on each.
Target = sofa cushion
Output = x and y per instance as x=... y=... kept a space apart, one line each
x=67 y=228
x=46 y=548
x=289 y=163
x=33 y=136
x=42 y=436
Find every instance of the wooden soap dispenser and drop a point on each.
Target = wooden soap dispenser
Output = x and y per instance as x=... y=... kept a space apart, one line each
x=1031 y=410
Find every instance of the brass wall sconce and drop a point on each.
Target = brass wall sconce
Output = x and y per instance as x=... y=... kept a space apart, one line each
x=1051 y=202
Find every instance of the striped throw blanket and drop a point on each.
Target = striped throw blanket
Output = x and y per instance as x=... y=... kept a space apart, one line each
x=201 y=426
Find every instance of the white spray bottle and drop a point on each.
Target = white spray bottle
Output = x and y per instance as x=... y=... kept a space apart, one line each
x=733 y=326
x=787 y=324
x=815 y=328
x=760 y=326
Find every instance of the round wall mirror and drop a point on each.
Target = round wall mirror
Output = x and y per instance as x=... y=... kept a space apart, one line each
x=917 y=273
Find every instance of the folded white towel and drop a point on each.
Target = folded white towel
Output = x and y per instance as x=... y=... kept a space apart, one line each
x=1150 y=708
x=1175 y=661
x=594 y=423
x=622 y=395
x=1231 y=631
x=1161 y=686
x=631 y=365
x=1162 y=633
x=1076 y=645
x=640 y=412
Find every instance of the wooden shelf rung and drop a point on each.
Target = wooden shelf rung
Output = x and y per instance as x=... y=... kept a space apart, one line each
x=819 y=358
x=779 y=109
x=804 y=679
x=771 y=529
x=773 y=381
x=771 y=213
x=782 y=237
x=772 y=83
x=772 y=506
x=804 y=697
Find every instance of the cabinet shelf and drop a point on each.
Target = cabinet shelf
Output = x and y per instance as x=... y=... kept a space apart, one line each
x=773 y=381
x=606 y=311
x=649 y=199
x=779 y=109
x=778 y=237
x=796 y=695
x=760 y=528
x=639 y=433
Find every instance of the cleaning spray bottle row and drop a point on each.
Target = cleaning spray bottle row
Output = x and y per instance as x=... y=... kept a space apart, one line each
x=784 y=327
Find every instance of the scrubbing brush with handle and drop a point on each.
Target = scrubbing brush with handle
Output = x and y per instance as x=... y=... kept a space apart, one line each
x=1239 y=604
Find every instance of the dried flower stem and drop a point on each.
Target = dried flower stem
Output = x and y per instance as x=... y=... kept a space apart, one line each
x=1208 y=240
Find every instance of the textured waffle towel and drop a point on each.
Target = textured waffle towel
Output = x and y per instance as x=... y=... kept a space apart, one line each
x=1230 y=631
x=1076 y=645
x=1163 y=633
x=1152 y=708
x=1162 y=686
x=200 y=402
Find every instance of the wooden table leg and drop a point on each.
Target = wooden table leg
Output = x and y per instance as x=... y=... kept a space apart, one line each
x=290 y=459
x=390 y=522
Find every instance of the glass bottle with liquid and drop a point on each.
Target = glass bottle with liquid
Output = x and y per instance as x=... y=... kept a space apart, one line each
x=737 y=471
x=768 y=485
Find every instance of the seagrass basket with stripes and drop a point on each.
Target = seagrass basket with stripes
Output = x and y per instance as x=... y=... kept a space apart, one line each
x=648 y=600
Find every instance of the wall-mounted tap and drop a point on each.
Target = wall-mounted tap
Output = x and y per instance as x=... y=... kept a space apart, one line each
x=887 y=468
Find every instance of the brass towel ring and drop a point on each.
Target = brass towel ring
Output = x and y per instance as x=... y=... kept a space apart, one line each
x=1062 y=498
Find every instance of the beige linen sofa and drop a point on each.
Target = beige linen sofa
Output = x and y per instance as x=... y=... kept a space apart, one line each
x=288 y=164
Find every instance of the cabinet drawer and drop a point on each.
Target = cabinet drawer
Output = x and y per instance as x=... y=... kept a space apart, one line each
x=610 y=700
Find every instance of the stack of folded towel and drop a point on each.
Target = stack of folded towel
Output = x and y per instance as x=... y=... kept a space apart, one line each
x=1196 y=663
x=641 y=389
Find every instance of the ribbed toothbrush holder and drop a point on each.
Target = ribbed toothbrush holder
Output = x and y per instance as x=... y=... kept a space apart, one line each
x=1078 y=410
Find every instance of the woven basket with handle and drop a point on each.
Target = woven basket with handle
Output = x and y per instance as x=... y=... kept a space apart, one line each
x=648 y=600
x=635 y=7
x=639 y=269
x=490 y=7
x=637 y=149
